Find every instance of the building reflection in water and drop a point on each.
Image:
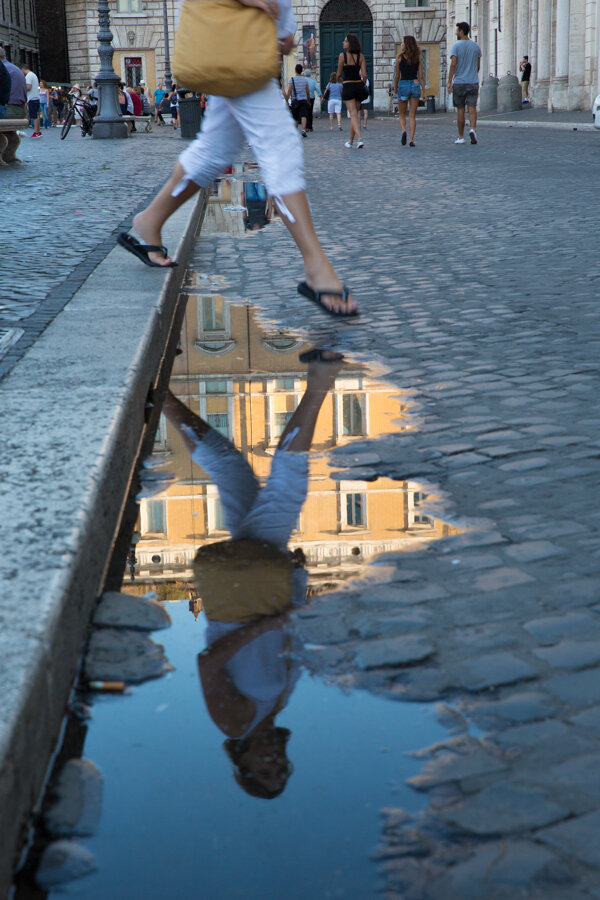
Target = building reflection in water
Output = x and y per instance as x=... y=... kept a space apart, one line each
x=246 y=383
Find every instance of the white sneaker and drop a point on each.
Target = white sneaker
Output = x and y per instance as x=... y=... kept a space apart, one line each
x=360 y=145
x=459 y=141
x=348 y=145
x=473 y=136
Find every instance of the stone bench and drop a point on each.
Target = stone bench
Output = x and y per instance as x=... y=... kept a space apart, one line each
x=134 y=120
x=9 y=139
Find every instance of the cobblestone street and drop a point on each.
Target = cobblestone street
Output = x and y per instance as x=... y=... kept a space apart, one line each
x=61 y=207
x=478 y=276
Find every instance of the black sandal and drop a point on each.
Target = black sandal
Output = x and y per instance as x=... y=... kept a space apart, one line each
x=142 y=251
x=315 y=297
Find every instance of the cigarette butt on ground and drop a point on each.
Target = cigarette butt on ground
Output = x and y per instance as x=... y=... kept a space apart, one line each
x=114 y=686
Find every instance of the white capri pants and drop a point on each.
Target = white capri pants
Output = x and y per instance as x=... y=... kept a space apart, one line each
x=263 y=119
x=334 y=106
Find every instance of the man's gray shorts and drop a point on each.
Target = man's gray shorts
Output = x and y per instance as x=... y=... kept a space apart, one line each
x=465 y=94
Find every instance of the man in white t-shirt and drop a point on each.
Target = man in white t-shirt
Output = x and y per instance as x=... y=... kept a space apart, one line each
x=33 y=99
x=463 y=80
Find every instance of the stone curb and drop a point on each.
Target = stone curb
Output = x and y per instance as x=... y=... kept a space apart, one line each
x=73 y=413
x=556 y=126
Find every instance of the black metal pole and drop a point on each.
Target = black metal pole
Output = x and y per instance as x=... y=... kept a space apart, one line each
x=109 y=122
x=168 y=76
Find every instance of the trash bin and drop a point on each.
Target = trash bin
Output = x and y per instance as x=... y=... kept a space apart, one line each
x=190 y=114
x=510 y=97
x=488 y=95
x=431 y=104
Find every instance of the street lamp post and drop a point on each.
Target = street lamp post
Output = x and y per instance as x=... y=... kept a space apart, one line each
x=168 y=76
x=109 y=122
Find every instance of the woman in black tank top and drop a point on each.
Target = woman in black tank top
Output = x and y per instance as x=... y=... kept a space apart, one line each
x=352 y=72
x=409 y=83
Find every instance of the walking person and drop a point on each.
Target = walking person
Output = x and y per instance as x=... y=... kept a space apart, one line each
x=313 y=91
x=45 y=103
x=352 y=70
x=463 y=80
x=333 y=92
x=33 y=99
x=16 y=105
x=174 y=106
x=299 y=93
x=525 y=68
x=408 y=84
x=262 y=119
x=158 y=96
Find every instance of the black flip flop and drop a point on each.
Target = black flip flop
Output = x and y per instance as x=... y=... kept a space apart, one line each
x=315 y=297
x=316 y=355
x=131 y=244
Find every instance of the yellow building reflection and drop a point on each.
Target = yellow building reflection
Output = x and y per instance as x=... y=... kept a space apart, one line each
x=246 y=383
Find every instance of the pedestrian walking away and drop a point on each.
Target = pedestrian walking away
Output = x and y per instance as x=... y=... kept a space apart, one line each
x=313 y=91
x=174 y=106
x=463 y=80
x=352 y=72
x=408 y=84
x=33 y=99
x=45 y=103
x=525 y=68
x=262 y=119
x=333 y=95
x=365 y=104
x=299 y=94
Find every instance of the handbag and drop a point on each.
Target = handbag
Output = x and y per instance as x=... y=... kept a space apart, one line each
x=224 y=48
x=295 y=104
x=242 y=580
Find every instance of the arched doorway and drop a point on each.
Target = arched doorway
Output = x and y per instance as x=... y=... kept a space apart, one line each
x=338 y=17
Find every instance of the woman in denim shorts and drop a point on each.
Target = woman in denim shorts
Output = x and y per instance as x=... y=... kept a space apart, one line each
x=409 y=82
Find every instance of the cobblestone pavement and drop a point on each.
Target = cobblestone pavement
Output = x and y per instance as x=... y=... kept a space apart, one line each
x=478 y=273
x=61 y=206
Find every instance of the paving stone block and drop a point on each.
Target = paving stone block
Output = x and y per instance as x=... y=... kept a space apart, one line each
x=507 y=807
x=494 y=670
x=456 y=767
x=501 y=578
x=526 y=464
x=399 y=651
x=577 y=688
x=549 y=629
x=530 y=551
x=571 y=654
x=577 y=837
x=589 y=718
x=522 y=706
x=551 y=741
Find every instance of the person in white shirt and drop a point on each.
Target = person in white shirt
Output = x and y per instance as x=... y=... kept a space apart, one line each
x=262 y=119
x=33 y=99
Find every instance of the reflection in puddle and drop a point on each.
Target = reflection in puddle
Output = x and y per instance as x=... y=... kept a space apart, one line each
x=241 y=501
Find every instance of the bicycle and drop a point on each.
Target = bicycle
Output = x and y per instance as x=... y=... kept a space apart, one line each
x=78 y=105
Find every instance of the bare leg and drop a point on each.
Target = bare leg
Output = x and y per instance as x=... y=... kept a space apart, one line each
x=320 y=381
x=320 y=274
x=402 y=105
x=331 y=121
x=339 y=118
x=412 y=118
x=303 y=123
x=472 y=117
x=353 y=109
x=150 y=221
x=460 y=121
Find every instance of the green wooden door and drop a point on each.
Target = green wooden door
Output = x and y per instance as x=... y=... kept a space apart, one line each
x=331 y=36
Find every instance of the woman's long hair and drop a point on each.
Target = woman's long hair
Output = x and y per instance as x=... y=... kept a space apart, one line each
x=333 y=78
x=354 y=45
x=412 y=51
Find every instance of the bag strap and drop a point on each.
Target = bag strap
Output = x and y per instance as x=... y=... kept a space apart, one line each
x=294 y=88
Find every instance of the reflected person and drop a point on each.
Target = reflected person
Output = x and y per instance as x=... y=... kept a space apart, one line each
x=248 y=583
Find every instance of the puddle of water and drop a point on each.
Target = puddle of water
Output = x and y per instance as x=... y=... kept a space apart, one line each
x=181 y=775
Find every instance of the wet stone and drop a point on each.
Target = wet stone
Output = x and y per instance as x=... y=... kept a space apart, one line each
x=589 y=718
x=504 y=808
x=126 y=611
x=530 y=551
x=501 y=578
x=124 y=655
x=494 y=670
x=78 y=805
x=552 y=740
x=580 y=775
x=578 y=837
x=393 y=652
x=525 y=706
x=571 y=654
x=552 y=628
x=514 y=865
x=63 y=861
x=454 y=767
x=579 y=689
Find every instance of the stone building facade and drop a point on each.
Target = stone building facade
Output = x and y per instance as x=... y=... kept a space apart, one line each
x=381 y=25
x=138 y=38
x=18 y=32
x=561 y=38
